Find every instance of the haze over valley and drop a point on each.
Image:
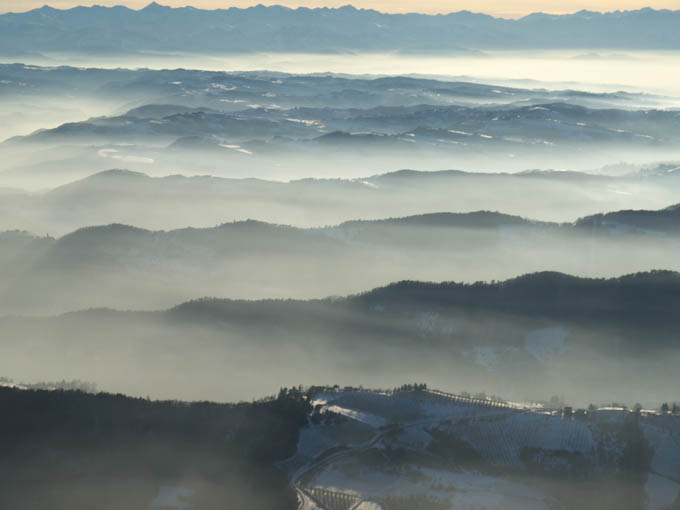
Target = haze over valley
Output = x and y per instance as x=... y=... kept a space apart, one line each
x=339 y=259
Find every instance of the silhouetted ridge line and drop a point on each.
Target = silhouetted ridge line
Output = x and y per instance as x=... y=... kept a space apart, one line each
x=475 y=219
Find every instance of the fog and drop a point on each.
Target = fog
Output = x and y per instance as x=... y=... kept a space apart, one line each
x=178 y=202
x=200 y=155
x=405 y=271
x=65 y=124
x=125 y=268
x=24 y=114
x=599 y=69
x=454 y=338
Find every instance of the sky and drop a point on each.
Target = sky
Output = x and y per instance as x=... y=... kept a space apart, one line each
x=504 y=8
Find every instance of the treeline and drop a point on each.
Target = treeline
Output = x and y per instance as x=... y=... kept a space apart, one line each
x=411 y=387
x=644 y=303
x=640 y=303
x=73 y=450
x=72 y=385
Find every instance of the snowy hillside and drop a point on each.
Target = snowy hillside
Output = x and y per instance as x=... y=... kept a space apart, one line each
x=442 y=451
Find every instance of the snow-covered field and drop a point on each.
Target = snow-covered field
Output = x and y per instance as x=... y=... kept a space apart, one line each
x=465 y=490
x=354 y=452
x=663 y=484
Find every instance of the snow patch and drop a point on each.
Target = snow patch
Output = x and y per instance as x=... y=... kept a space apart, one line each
x=11 y=385
x=368 y=505
x=463 y=489
x=236 y=148
x=304 y=121
x=661 y=492
x=369 y=184
x=221 y=87
x=364 y=417
x=114 y=154
x=663 y=436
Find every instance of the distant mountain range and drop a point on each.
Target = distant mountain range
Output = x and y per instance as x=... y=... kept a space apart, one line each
x=286 y=126
x=276 y=28
x=148 y=93
x=260 y=141
x=173 y=202
x=448 y=128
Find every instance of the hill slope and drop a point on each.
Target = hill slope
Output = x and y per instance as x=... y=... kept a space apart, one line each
x=584 y=338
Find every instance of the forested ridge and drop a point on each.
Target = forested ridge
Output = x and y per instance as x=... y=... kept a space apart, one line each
x=70 y=449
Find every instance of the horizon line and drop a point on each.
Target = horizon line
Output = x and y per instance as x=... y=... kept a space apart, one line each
x=260 y=5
